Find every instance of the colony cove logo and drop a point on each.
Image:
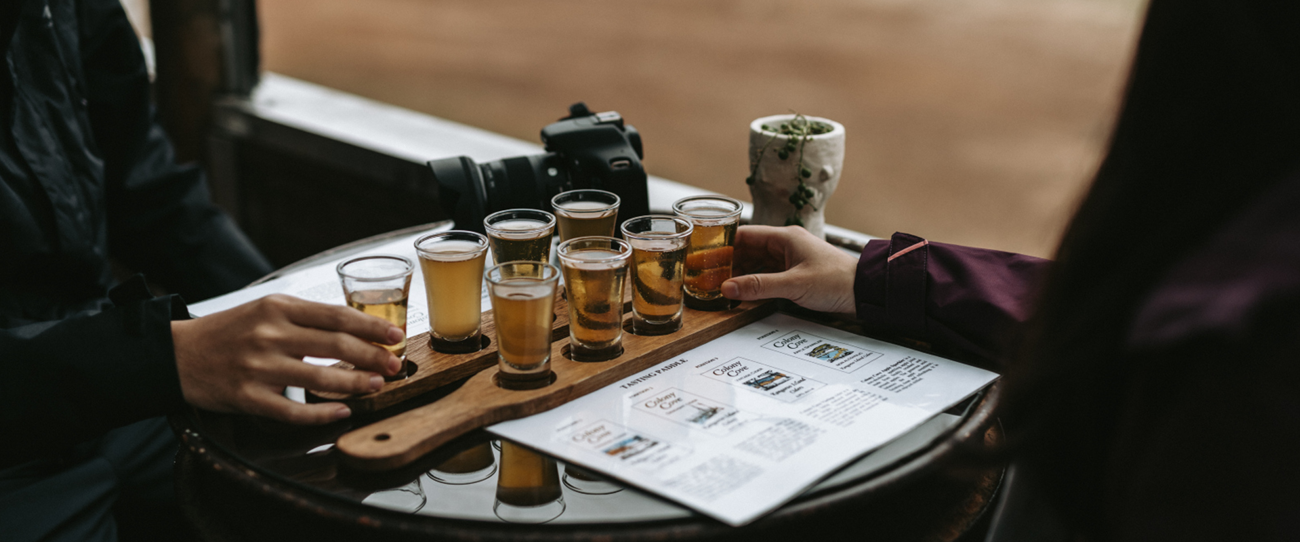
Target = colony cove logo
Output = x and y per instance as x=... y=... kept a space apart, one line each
x=841 y=356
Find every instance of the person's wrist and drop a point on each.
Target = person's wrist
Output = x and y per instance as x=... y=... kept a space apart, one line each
x=845 y=273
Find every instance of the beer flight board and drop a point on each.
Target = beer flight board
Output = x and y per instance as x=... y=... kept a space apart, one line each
x=401 y=439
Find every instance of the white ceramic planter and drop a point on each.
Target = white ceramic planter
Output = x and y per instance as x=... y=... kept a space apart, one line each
x=776 y=179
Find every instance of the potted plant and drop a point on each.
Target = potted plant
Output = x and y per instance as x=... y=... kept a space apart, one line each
x=795 y=164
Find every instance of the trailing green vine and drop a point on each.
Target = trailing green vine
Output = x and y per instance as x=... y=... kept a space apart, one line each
x=797 y=133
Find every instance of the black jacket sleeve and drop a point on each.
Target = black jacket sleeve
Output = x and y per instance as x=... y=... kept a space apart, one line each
x=88 y=374
x=161 y=219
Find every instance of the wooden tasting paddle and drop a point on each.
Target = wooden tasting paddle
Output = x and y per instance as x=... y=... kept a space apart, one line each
x=400 y=440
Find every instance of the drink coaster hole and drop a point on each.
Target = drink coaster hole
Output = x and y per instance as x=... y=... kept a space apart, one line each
x=467 y=346
x=408 y=369
x=711 y=305
x=591 y=357
x=651 y=330
x=522 y=385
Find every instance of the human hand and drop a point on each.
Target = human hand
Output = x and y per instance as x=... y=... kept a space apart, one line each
x=791 y=263
x=240 y=360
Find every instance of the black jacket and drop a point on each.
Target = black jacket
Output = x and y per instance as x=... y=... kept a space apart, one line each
x=86 y=174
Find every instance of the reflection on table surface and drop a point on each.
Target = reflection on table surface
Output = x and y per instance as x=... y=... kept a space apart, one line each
x=469 y=478
x=478 y=477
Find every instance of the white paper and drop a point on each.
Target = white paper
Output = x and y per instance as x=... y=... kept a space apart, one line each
x=741 y=425
x=320 y=283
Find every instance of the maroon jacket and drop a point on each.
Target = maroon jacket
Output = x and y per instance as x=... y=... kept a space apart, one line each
x=1207 y=450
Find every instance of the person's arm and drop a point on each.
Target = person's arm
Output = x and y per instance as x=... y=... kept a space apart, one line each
x=160 y=217
x=74 y=379
x=965 y=301
x=962 y=300
x=92 y=372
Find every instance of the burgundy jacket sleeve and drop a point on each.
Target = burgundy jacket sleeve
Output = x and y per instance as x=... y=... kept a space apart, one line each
x=964 y=302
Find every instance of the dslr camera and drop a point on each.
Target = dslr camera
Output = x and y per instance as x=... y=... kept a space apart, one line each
x=583 y=150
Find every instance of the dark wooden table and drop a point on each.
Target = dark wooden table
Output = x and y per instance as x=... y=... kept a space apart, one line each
x=241 y=478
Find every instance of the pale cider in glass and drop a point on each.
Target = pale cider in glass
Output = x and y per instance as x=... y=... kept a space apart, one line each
x=380 y=285
x=387 y=304
x=452 y=266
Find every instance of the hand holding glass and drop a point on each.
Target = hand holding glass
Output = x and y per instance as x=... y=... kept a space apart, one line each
x=379 y=286
x=708 y=259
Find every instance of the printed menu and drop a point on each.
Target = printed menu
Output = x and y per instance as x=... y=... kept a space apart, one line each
x=739 y=426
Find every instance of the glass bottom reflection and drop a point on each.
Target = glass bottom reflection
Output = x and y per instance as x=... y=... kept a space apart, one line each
x=587 y=482
x=470 y=466
x=528 y=487
x=409 y=498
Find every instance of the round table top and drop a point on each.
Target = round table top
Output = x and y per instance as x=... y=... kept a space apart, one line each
x=458 y=484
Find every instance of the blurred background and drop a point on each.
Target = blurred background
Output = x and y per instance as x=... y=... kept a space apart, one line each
x=976 y=122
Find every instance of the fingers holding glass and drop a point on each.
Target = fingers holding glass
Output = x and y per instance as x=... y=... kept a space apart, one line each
x=379 y=286
x=712 y=244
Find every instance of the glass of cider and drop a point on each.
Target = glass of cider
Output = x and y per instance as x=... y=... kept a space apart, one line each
x=379 y=286
x=658 y=267
x=520 y=235
x=595 y=270
x=583 y=213
x=452 y=265
x=523 y=304
x=709 y=255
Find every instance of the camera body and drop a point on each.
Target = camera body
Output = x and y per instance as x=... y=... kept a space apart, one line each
x=583 y=150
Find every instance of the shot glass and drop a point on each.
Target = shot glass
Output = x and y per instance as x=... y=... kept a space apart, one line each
x=595 y=269
x=452 y=264
x=583 y=213
x=520 y=235
x=523 y=302
x=379 y=286
x=658 y=268
x=708 y=258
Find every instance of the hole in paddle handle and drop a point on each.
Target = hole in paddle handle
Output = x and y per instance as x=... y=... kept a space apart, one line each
x=383 y=436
